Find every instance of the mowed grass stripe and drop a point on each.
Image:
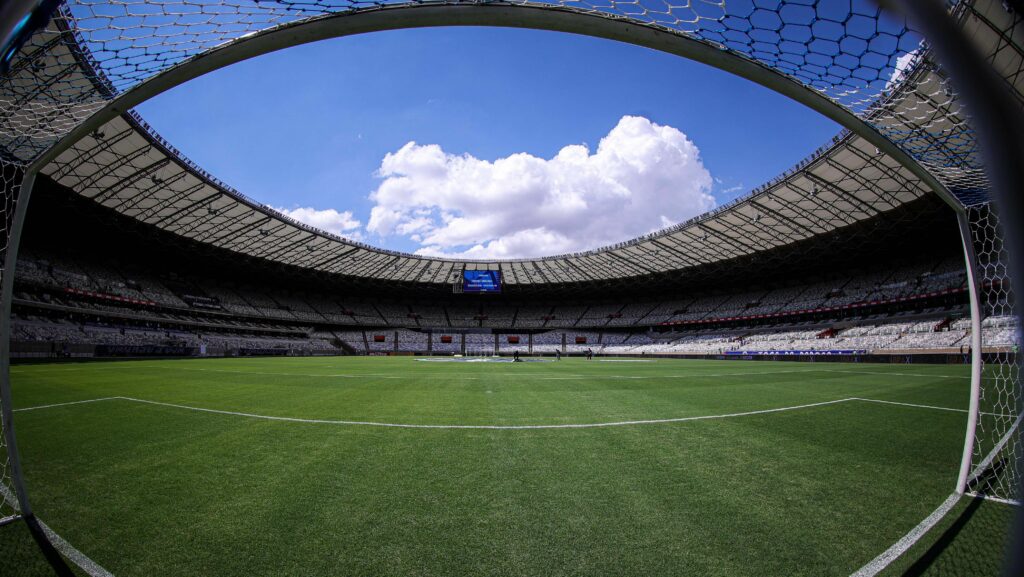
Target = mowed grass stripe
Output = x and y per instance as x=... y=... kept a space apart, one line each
x=818 y=491
x=706 y=497
x=423 y=398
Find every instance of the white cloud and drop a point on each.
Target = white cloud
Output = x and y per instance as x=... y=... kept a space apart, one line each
x=641 y=177
x=903 y=65
x=329 y=220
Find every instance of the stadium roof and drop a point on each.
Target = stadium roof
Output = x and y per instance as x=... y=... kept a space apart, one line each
x=126 y=166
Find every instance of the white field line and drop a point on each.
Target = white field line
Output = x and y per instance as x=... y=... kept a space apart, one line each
x=76 y=556
x=462 y=375
x=1013 y=502
x=913 y=405
x=897 y=374
x=933 y=407
x=428 y=426
x=65 y=404
x=86 y=564
x=9 y=498
x=565 y=377
x=487 y=427
x=492 y=375
x=133 y=366
x=876 y=565
x=495 y=427
x=869 y=570
x=267 y=373
x=984 y=464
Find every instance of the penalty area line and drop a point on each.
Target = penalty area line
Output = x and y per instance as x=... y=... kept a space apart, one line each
x=455 y=426
x=36 y=408
x=495 y=427
x=488 y=427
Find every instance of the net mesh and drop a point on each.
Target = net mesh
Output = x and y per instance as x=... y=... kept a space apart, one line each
x=865 y=60
x=996 y=463
x=10 y=183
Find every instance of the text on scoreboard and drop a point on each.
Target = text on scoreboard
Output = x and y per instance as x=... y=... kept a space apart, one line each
x=481 y=281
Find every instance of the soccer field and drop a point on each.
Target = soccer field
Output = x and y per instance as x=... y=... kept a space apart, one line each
x=397 y=466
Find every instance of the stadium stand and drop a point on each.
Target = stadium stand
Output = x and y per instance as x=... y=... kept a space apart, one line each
x=548 y=342
x=411 y=341
x=105 y=288
x=498 y=316
x=93 y=295
x=453 y=346
x=480 y=344
x=511 y=342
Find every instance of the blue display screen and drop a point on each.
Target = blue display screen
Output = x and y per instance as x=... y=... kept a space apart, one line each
x=481 y=281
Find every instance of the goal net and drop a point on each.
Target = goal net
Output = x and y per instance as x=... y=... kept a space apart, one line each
x=10 y=184
x=996 y=464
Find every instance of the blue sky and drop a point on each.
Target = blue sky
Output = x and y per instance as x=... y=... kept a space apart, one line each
x=310 y=127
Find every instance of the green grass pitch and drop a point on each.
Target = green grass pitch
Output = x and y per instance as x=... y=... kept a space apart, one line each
x=149 y=489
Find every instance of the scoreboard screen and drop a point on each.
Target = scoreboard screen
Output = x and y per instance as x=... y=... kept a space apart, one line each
x=481 y=281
